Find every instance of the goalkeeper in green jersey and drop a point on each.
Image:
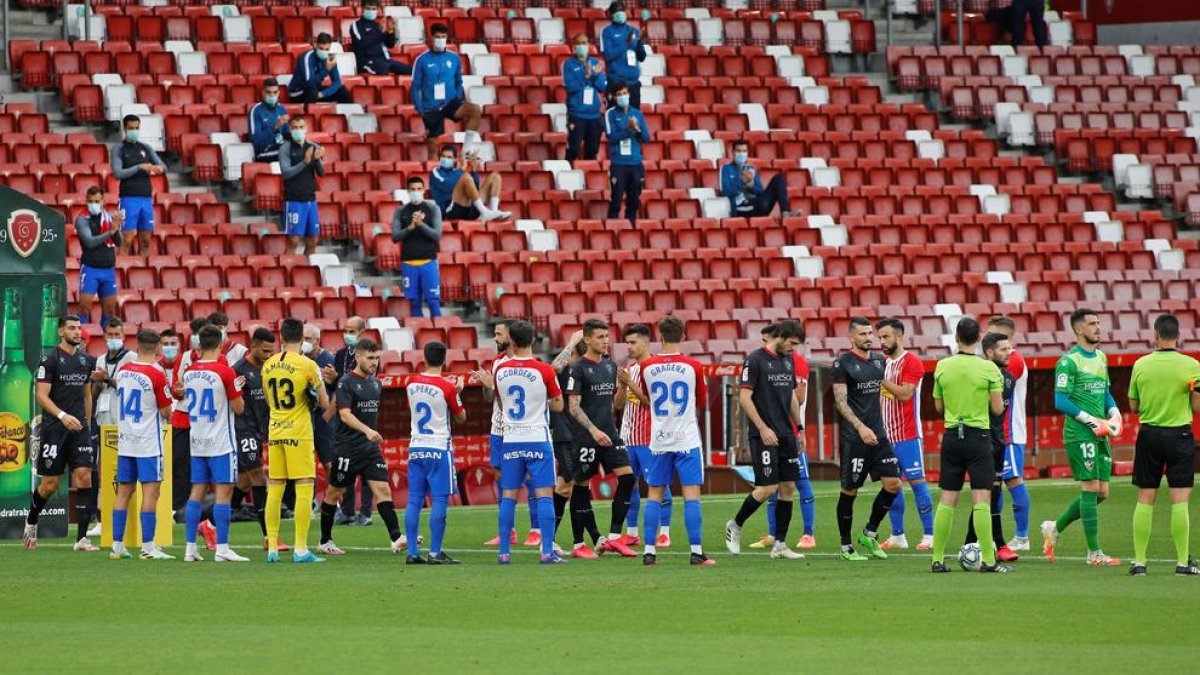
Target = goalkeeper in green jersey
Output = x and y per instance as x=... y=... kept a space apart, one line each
x=1081 y=392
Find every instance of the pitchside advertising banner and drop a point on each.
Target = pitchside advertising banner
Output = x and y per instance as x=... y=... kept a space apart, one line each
x=33 y=285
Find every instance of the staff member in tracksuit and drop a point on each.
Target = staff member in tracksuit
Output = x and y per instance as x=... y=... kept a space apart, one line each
x=317 y=79
x=99 y=236
x=267 y=121
x=623 y=52
x=133 y=163
x=626 y=129
x=418 y=224
x=438 y=94
x=299 y=165
x=371 y=43
x=583 y=79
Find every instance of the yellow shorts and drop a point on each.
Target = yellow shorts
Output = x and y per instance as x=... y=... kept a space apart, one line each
x=291 y=460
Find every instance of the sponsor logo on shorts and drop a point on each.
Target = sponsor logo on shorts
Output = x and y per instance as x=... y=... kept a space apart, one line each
x=287 y=442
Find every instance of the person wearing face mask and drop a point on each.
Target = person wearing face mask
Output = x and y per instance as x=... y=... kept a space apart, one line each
x=418 y=226
x=461 y=193
x=438 y=94
x=626 y=129
x=322 y=429
x=113 y=360
x=316 y=79
x=584 y=80
x=300 y=163
x=371 y=43
x=99 y=236
x=133 y=164
x=623 y=50
x=344 y=362
x=268 y=123
x=742 y=185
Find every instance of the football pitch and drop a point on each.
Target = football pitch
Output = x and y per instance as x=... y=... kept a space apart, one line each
x=367 y=610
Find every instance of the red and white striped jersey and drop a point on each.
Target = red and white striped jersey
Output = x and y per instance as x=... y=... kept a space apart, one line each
x=802 y=379
x=524 y=387
x=635 y=422
x=497 y=412
x=902 y=421
x=1015 y=430
x=208 y=388
x=675 y=386
x=141 y=391
x=432 y=400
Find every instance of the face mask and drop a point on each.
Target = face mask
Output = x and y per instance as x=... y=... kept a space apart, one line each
x=195 y=342
x=298 y=135
x=740 y=157
x=271 y=100
x=306 y=348
x=323 y=54
x=447 y=163
x=581 y=51
x=131 y=135
x=351 y=339
x=439 y=44
x=618 y=18
x=114 y=344
x=170 y=352
x=95 y=208
x=370 y=14
x=416 y=197
x=623 y=101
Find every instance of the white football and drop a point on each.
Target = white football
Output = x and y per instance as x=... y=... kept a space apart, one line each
x=970 y=557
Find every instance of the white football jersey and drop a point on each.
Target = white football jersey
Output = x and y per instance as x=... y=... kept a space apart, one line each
x=141 y=391
x=524 y=388
x=497 y=413
x=432 y=400
x=208 y=388
x=674 y=384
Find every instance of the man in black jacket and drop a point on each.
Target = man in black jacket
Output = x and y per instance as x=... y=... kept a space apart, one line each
x=99 y=236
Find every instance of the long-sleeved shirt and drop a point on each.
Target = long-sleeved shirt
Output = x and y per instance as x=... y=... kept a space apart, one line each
x=436 y=80
x=442 y=182
x=98 y=240
x=298 y=187
x=310 y=73
x=624 y=146
x=733 y=187
x=126 y=159
x=582 y=103
x=421 y=242
x=264 y=134
x=371 y=44
x=622 y=56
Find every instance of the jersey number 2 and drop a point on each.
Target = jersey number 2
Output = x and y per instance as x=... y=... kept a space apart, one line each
x=425 y=413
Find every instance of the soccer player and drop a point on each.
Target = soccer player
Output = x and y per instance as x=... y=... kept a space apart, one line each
x=901 y=405
x=998 y=350
x=768 y=397
x=145 y=404
x=357 y=449
x=966 y=390
x=591 y=388
x=134 y=164
x=300 y=165
x=635 y=430
x=1015 y=435
x=528 y=391
x=564 y=452
x=1081 y=392
x=432 y=400
x=1163 y=391
x=213 y=395
x=675 y=388
x=231 y=351
x=250 y=427
x=64 y=393
x=858 y=376
x=293 y=387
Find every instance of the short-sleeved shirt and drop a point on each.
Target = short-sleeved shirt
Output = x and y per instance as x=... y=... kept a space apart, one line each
x=1016 y=430
x=525 y=387
x=964 y=383
x=595 y=383
x=1083 y=377
x=360 y=395
x=290 y=381
x=902 y=419
x=497 y=411
x=771 y=379
x=432 y=400
x=1161 y=383
x=864 y=380
x=68 y=375
x=635 y=421
x=141 y=392
x=999 y=422
x=252 y=423
x=675 y=386
x=208 y=391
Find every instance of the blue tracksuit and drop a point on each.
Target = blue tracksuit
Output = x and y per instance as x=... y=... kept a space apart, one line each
x=615 y=44
x=263 y=132
x=430 y=70
x=441 y=185
x=576 y=82
x=371 y=44
x=625 y=147
x=755 y=200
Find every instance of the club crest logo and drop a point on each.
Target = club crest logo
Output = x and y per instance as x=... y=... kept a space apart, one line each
x=24 y=231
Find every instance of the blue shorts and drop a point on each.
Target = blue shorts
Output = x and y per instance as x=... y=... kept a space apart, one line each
x=300 y=219
x=1014 y=461
x=803 y=467
x=139 y=213
x=433 y=467
x=664 y=466
x=98 y=281
x=639 y=461
x=912 y=459
x=421 y=281
x=139 y=469
x=221 y=469
x=536 y=459
x=495 y=450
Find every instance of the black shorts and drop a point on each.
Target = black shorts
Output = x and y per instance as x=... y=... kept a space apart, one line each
x=564 y=460
x=589 y=458
x=1164 y=450
x=775 y=464
x=970 y=455
x=435 y=120
x=998 y=459
x=349 y=465
x=326 y=452
x=460 y=212
x=860 y=460
x=250 y=455
x=61 y=449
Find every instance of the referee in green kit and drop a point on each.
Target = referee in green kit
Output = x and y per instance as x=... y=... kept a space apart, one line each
x=1162 y=390
x=967 y=390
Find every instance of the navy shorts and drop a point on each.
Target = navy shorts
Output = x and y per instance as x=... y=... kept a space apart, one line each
x=435 y=120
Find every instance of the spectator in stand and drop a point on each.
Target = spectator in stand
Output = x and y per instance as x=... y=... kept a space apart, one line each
x=461 y=193
x=371 y=43
x=743 y=186
x=417 y=226
x=438 y=94
x=133 y=163
x=99 y=236
x=267 y=121
x=583 y=79
x=623 y=50
x=317 y=79
x=626 y=129
x=1036 y=10
x=300 y=164
x=322 y=429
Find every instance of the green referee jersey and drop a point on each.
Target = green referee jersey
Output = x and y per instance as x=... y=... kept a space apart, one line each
x=1083 y=377
x=1161 y=384
x=964 y=383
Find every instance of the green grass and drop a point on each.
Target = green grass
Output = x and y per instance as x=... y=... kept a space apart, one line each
x=369 y=611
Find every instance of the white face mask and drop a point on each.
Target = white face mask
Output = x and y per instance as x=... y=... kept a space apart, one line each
x=439 y=44
x=306 y=348
x=195 y=342
x=115 y=344
x=95 y=208
x=416 y=197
